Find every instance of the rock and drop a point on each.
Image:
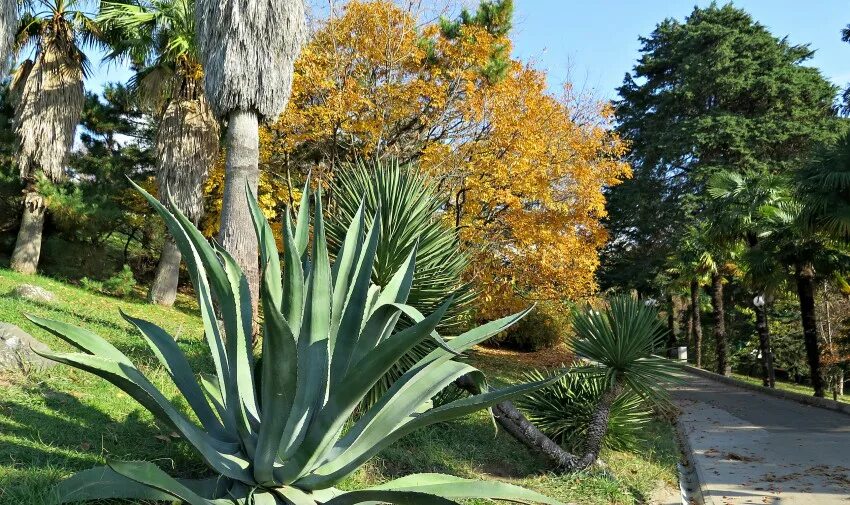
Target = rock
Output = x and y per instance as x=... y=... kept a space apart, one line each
x=16 y=349
x=33 y=293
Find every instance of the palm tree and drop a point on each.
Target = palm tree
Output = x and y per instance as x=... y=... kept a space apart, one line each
x=158 y=37
x=691 y=266
x=50 y=98
x=619 y=341
x=744 y=211
x=248 y=51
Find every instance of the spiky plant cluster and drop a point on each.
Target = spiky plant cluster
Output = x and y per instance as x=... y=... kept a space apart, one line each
x=187 y=145
x=248 y=51
x=564 y=411
x=286 y=436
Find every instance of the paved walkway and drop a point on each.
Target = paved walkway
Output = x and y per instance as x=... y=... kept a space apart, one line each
x=751 y=448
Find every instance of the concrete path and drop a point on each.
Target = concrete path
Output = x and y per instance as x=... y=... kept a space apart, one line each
x=751 y=448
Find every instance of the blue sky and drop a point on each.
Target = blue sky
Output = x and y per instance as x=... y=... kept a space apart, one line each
x=594 y=43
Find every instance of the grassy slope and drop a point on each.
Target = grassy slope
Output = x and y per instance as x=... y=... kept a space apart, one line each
x=55 y=422
x=788 y=386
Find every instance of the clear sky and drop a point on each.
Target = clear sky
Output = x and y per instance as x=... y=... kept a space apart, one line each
x=594 y=43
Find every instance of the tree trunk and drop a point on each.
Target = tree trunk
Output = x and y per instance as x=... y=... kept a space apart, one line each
x=719 y=322
x=28 y=245
x=695 y=321
x=598 y=427
x=237 y=234
x=512 y=420
x=768 y=375
x=805 y=274
x=672 y=325
x=164 y=288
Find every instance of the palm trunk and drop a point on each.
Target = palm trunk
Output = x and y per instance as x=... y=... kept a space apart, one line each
x=672 y=325
x=695 y=321
x=719 y=322
x=598 y=427
x=237 y=234
x=768 y=376
x=164 y=288
x=805 y=274
x=28 y=245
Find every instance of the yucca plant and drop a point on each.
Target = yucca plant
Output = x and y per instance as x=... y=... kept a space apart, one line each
x=327 y=338
x=620 y=341
x=564 y=411
x=405 y=204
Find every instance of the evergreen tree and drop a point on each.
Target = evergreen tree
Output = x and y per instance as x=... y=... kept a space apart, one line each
x=715 y=92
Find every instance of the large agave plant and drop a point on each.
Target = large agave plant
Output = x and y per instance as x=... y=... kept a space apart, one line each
x=327 y=338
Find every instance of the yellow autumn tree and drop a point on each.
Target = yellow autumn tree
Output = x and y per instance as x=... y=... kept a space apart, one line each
x=525 y=175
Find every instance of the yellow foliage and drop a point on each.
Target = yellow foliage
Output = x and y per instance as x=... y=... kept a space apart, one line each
x=524 y=175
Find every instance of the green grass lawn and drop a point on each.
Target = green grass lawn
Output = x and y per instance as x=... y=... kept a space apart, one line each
x=55 y=422
x=788 y=386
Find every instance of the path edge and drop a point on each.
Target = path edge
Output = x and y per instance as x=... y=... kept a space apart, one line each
x=700 y=495
x=813 y=401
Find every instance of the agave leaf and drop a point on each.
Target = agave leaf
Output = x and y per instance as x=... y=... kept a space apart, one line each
x=362 y=449
x=302 y=224
x=347 y=395
x=80 y=338
x=278 y=387
x=295 y=496
x=180 y=371
x=103 y=482
x=268 y=248
x=198 y=273
x=293 y=286
x=344 y=269
x=313 y=351
x=375 y=496
x=151 y=475
x=348 y=333
x=448 y=486
x=220 y=455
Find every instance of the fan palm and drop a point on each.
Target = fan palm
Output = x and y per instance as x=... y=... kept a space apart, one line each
x=620 y=341
x=50 y=99
x=285 y=441
x=745 y=207
x=248 y=50
x=158 y=37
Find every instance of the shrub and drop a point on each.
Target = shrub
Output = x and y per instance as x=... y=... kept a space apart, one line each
x=327 y=339
x=563 y=411
x=121 y=284
x=544 y=328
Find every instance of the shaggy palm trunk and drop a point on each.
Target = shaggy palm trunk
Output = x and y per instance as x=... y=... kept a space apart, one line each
x=50 y=105
x=242 y=170
x=719 y=323
x=187 y=145
x=695 y=322
x=805 y=274
x=8 y=27
x=28 y=245
x=768 y=376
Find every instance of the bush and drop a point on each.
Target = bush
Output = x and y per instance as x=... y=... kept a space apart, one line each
x=563 y=411
x=120 y=284
x=545 y=327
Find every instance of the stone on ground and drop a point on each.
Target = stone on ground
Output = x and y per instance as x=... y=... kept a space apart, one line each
x=33 y=293
x=16 y=349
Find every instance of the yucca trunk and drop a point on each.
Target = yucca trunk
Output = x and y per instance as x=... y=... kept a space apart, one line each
x=763 y=331
x=187 y=145
x=695 y=322
x=805 y=276
x=719 y=315
x=598 y=427
x=248 y=51
x=49 y=107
